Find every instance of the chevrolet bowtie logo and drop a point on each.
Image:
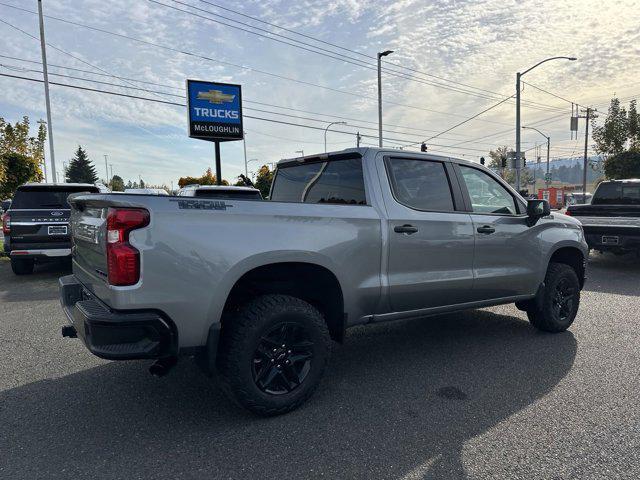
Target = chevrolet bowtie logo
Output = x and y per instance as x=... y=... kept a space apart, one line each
x=216 y=96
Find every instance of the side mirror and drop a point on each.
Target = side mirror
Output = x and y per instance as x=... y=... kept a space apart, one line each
x=538 y=208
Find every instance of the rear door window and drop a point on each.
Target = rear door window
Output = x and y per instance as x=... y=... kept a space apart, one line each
x=421 y=184
x=338 y=182
x=46 y=197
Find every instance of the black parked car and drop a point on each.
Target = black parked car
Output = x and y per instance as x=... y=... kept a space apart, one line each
x=36 y=226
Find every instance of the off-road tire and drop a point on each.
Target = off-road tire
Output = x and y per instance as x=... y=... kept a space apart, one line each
x=243 y=332
x=547 y=317
x=22 y=266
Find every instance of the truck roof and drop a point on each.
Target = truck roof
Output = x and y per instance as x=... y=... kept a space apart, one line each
x=623 y=180
x=57 y=185
x=350 y=152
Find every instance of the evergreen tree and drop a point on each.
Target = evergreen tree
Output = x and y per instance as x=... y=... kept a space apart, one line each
x=80 y=169
x=117 y=184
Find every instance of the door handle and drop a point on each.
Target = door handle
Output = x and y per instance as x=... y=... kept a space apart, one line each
x=486 y=229
x=409 y=229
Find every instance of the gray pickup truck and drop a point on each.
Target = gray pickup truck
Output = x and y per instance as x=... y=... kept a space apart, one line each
x=258 y=290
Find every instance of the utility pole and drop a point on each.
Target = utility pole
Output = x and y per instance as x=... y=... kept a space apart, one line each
x=106 y=167
x=380 y=55
x=358 y=137
x=244 y=145
x=46 y=90
x=518 y=75
x=586 y=145
x=111 y=171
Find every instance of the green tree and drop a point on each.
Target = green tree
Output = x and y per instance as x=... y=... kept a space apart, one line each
x=117 y=184
x=263 y=180
x=497 y=156
x=19 y=169
x=611 y=137
x=208 y=178
x=80 y=169
x=15 y=140
x=623 y=165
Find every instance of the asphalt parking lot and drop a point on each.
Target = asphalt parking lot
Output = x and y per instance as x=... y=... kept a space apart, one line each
x=474 y=395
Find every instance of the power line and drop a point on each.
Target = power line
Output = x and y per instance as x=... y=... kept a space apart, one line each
x=341 y=57
x=463 y=122
x=166 y=102
x=58 y=49
x=346 y=49
x=10 y=67
x=550 y=93
x=545 y=107
x=331 y=115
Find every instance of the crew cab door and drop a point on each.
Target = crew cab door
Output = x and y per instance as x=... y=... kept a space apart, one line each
x=507 y=251
x=430 y=240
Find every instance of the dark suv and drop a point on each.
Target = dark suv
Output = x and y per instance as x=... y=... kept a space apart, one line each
x=36 y=226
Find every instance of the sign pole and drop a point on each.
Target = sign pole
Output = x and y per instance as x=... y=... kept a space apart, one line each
x=218 y=167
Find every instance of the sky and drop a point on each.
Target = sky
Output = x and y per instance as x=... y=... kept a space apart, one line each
x=452 y=59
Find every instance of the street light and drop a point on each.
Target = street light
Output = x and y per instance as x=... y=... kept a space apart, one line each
x=380 y=55
x=325 y=133
x=518 y=76
x=546 y=178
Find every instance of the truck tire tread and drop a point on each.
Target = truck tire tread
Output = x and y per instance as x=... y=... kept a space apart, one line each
x=543 y=318
x=236 y=332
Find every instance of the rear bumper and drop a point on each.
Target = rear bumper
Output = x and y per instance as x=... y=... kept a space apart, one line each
x=40 y=253
x=114 y=335
x=612 y=238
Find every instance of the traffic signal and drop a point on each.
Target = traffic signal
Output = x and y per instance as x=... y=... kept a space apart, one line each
x=481 y=160
x=423 y=147
x=504 y=162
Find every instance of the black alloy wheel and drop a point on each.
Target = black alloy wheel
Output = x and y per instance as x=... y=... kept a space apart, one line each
x=282 y=360
x=563 y=299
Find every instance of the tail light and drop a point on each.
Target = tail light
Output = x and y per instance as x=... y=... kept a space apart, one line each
x=6 y=224
x=568 y=212
x=123 y=259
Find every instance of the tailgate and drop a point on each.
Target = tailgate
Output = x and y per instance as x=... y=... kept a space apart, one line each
x=88 y=227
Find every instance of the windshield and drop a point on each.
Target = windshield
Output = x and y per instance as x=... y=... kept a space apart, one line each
x=617 y=194
x=46 y=197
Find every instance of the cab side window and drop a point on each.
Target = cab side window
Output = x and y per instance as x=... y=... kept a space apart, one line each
x=420 y=184
x=487 y=195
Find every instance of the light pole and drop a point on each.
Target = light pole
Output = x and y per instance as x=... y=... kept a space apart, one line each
x=244 y=145
x=380 y=55
x=518 y=77
x=546 y=178
x=43 y=49
x=325 y=133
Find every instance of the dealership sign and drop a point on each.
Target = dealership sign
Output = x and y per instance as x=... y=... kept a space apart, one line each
x=215 y=111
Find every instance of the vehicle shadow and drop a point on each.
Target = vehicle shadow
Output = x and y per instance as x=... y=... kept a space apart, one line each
x=398 y=401
x=34 y=287
x=608 y=273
